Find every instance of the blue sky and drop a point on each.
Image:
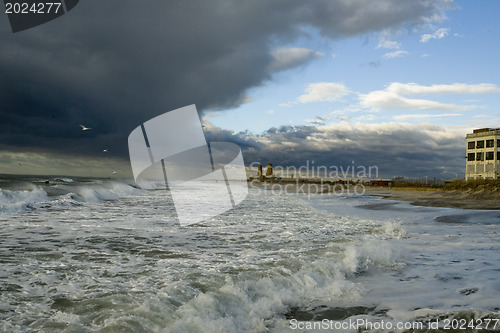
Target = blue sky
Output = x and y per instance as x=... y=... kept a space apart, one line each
x=460 y=48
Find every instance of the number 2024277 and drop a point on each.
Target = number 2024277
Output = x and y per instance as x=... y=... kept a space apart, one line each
x=32 y=8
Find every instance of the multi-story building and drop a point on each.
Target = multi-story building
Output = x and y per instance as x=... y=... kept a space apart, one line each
x=483 y=154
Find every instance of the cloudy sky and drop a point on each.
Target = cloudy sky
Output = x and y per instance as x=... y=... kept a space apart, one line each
x=391 y=83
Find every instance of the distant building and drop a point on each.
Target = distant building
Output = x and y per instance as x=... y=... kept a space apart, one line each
x=381 y=183
x=483 y=154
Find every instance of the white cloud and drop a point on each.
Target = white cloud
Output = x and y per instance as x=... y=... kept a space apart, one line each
x=388 y=44
x=271 y=111
x=395 y=54
x=438 y=34
x=383 y=99
x=342 y=118
x=455 y=88
x=323 y=92
x=318 y=120
x=395 y=96
x=424 y=116
x=211 y=115
x=287 y=104
x=287 y=58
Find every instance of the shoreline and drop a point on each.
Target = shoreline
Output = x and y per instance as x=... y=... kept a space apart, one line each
x=439 y=198
x=427 y=197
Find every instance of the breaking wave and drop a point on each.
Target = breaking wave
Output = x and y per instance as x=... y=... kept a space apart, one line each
x=60 y=192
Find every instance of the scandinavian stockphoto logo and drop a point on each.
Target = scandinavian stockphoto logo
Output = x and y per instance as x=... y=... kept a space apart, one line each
x=26 y=14
x=204 y=180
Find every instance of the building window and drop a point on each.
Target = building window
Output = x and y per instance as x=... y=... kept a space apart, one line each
x=498 y=156
x=471 y=145
x=471 y=156
x=479 y=157
x=490 y=155
x=490 y=143
x=480 y=144
x=498 y=142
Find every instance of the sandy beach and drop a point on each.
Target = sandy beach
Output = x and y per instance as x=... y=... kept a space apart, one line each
x=439 y=198
x=419 y=197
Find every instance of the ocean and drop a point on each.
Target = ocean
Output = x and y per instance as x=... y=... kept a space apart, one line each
x=101 y=255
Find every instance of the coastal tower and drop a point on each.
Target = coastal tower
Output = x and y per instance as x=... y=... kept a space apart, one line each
x=269 y=170
x=483 y=154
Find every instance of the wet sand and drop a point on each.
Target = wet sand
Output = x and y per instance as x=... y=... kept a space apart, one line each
x=424 y=197
x=438 y=198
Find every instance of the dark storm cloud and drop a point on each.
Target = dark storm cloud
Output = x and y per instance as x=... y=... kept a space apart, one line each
x=111 y=65
x=395 y=149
